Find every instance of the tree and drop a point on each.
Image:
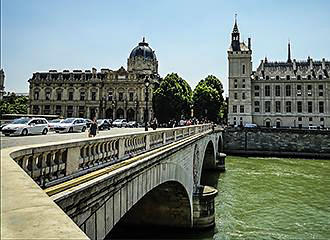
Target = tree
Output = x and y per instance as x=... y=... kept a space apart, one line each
x=12 y=104
x=172 y=99
x=208 y=99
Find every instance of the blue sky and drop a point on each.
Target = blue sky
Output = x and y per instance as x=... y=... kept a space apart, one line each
x=189 y=37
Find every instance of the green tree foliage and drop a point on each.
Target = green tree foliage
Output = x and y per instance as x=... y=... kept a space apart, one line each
x=172 y=99
x=208 y=100
x=13 y=104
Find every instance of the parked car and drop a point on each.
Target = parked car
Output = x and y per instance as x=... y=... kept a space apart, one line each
x=53 y=123
x=26 y=126
x=250 y=125
x=132 y=124
x=103 y=124
x=88 y=123
x=119 y=123
x=71 y=125
x=4 y=124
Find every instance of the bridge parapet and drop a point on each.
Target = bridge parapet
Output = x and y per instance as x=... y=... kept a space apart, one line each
x=50 y=164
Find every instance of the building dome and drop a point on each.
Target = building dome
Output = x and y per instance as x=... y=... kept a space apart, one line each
x=143 y=50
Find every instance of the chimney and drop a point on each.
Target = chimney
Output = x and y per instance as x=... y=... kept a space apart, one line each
x=94 y=71
x=294 y=65
x=323 y=64
x=249 y=43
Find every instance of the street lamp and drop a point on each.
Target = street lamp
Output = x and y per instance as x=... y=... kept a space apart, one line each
x=146 y=83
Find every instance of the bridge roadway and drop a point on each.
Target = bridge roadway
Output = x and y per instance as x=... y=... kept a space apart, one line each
x=96 y=181
x=6 y=142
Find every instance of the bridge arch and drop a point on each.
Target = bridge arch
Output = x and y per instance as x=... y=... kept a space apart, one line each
x=166 y=177
x=209 y=158
x=170 y=200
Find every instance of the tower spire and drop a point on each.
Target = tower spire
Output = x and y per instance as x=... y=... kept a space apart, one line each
x=235 y=42
x=289 y=52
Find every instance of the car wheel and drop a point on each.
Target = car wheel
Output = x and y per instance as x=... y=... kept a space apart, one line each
x=25 y=132
x=83 y=129
x=71 y=130
x=45 y=131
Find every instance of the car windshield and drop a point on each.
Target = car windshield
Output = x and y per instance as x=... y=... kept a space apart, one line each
x=68 y=120
x=99 y=121
x=21 y=121
x=118 y=120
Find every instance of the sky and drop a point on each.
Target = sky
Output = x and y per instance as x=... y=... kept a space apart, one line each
x=189 y=37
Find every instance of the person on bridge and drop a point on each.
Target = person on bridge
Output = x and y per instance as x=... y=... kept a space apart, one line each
x=93 y=128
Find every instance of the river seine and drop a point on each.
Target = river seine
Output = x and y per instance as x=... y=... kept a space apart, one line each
x=266 y=198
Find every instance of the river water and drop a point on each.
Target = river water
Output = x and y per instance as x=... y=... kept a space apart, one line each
x=267 y=198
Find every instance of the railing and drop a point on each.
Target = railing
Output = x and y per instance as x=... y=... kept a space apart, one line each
x=50 y=164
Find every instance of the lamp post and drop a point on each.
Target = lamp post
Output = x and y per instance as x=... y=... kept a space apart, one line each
x=146 y=83
x=136 y=108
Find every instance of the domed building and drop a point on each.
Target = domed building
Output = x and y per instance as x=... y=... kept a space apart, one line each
x=107 y=93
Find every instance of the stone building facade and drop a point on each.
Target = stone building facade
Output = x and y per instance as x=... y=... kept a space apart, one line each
x=278 y=94
x=106 y=93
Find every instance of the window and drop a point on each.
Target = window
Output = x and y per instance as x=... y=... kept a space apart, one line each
x=309 y=77
x=278 y=123
x=309 y=90
x=48 y=95
x=121 y=96
x=277 y=77
x=267 y=106
x=267 y=123
x=267 y=77
x=299 y=107
x=256 y=91
x=310 y=107
x=287 y=77
x=256 y=106
x=298 y=90
x=310 y=119
x=243 y=85
x=320 y=77
x=241 y=109
x=321 y=119
x=321 y=107
x=110 y=96
x=36 y=95
x=299 y=119
x=267 y=90
x=234 y=109
x=321 y=90
x=81 y=108
x=235 y=95
x=82 y=96
x=277 y=91
x=58 y=109
x=288 y=90
x=288 y=106
x=47 y=107
x=59 y=96
x=70 y=96
x=298 y=77
x=131 y=96
x=93 y=96
x=243 y=95
x=278 y=106
x=243 y=71
x=235 y=83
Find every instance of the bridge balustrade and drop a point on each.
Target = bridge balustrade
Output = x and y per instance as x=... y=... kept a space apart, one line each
x=53 y=163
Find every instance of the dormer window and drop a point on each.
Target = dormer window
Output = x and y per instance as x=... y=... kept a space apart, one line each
x=267 y=77
x=287 y=77
x=309 y=77
x=298 y=77
x=277 y=77
x=320 y=77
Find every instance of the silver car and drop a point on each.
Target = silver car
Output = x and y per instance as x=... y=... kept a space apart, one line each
x=26 y=126
x=119 y=123
x=71 y=125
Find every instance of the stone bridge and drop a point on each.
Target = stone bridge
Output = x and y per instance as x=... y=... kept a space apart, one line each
x=83 y=188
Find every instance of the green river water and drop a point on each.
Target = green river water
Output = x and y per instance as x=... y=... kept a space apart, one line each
x=266 y=198
x=273 y=198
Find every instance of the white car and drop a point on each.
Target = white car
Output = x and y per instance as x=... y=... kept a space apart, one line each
x=71 y=125
x=26 y=126
x=119 y=123
x=53 y=123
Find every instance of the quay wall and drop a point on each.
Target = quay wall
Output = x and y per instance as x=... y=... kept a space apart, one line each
x=277 y=142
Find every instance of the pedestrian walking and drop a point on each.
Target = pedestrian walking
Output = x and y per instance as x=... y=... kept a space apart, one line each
x=93 y=128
